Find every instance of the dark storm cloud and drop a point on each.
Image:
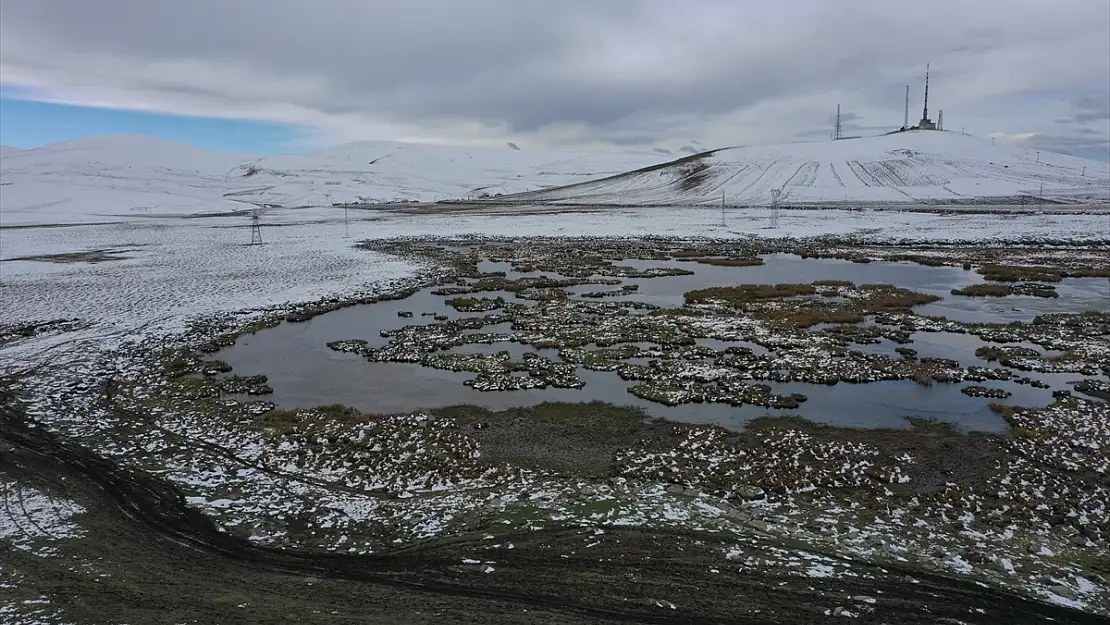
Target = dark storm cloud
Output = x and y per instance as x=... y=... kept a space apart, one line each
x=619 y=71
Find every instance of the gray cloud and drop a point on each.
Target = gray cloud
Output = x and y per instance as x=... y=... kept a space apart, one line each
x=1089 y=108
x=1087 y=144
x=569 y=72
x=845 y=118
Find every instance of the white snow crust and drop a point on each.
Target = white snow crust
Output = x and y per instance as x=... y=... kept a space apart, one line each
x=904 y=168
x=114 y=177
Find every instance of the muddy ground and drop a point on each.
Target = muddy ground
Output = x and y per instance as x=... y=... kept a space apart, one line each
x=148 y=559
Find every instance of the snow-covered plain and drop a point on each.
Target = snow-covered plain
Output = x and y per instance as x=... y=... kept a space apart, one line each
x=169 y=270
x=904 y=168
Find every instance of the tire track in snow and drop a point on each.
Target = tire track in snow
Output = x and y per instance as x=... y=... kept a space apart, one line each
x=758 y=178
x=807 y=178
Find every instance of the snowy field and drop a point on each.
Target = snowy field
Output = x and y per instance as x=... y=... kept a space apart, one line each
x=162 y=272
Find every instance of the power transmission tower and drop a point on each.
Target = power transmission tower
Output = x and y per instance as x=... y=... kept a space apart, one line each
x=346 y=224
x=836 y=134
x=723 y=224
x=256 y=227
x=775 y=193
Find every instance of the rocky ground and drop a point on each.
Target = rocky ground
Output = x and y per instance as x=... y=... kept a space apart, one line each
x=812 y=522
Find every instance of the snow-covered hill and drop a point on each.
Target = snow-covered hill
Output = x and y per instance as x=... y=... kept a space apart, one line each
x=910 y=167
x=113 y=176
x=104 y=178
x=380 y=171
x=101 y=178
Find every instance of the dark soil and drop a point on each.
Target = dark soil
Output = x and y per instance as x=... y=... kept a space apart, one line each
x=147 y=559
x=91 y=256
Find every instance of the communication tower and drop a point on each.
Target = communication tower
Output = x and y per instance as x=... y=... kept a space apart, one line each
x=906 y=112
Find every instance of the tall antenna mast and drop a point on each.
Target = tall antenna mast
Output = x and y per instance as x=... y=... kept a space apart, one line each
x=925 y=110
x=906 y=114
x=837 y=133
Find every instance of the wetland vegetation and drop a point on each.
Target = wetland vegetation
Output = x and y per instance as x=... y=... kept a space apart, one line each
x=809 y=418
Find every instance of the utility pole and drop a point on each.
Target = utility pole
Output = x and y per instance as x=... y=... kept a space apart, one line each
x=346 y=224
x=1038 y=156
x=723 y=208
x=1084 y=174
x=1040 y=198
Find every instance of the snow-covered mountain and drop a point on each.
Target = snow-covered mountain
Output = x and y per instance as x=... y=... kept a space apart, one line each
x=909 y=167
x=104 y=178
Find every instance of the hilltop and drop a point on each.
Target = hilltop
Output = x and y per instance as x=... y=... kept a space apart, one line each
x=911 y=167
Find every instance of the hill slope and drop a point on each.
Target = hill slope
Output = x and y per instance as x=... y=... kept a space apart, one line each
x=104 y=178
x=911 y=167
x=380 y=171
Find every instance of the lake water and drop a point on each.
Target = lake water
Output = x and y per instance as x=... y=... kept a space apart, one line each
x=305 y=373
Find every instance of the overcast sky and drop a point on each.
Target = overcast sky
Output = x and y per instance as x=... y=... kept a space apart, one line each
x=589 y=73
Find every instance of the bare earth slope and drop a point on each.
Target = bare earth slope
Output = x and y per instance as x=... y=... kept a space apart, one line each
x=911 y=167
